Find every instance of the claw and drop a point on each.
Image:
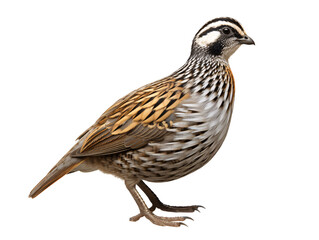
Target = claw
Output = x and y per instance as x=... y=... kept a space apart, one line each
x=186 y=217
x=183 y=224
x=199 y=206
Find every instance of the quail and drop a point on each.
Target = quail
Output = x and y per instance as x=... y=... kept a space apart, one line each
x=166 y=129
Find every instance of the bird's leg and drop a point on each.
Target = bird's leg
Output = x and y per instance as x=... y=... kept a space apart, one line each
x=156 y=203
x=144 y=211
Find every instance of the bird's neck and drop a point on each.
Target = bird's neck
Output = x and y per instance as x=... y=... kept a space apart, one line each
x=200 y=68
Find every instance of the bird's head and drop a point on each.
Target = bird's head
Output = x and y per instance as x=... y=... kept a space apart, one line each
x=220 y=37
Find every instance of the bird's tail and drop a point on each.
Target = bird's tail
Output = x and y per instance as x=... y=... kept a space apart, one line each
x=64 y=166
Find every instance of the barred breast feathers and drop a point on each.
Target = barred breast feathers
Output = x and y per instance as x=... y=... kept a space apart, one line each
x=203 y=119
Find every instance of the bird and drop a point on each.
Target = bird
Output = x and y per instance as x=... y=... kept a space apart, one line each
x=164 y=130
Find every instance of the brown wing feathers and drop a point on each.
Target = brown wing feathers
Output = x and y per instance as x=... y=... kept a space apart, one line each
x=149 y=107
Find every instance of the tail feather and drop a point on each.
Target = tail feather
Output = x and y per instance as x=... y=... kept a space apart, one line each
x=63 y=167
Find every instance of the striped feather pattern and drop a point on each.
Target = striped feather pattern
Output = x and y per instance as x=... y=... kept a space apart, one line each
x=144 y=111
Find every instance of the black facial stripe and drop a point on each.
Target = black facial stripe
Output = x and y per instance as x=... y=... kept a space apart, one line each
x=231 y=20
x=216 y=49
x=235 y=32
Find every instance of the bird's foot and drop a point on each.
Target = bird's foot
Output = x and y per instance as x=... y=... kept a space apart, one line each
x=156 y=203
x=169 y=208
x=161 y=221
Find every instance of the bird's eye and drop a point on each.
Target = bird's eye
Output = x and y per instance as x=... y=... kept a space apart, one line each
x=226 y=30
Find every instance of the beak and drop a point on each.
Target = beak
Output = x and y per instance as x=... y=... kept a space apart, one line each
x=246 y=40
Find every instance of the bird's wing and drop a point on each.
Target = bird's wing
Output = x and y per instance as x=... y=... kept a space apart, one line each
x=135 y=120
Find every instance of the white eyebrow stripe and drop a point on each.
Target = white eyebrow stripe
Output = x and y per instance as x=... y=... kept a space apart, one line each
x=208 y=38
x=220 y=23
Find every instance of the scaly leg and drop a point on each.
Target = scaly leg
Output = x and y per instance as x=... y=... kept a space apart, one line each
x=158 y=204
x=144 y=211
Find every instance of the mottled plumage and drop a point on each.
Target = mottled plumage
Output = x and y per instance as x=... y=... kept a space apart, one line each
x=166 y=129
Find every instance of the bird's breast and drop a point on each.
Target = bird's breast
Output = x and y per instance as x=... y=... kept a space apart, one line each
x=198 y=131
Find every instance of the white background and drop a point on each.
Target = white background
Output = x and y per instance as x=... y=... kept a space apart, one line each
x=62 y=63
